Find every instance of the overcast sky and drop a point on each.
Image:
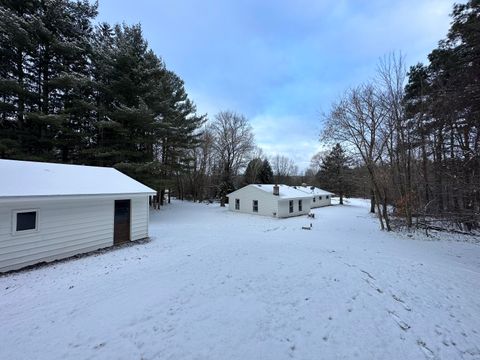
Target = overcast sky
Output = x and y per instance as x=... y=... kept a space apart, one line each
x=280 y=63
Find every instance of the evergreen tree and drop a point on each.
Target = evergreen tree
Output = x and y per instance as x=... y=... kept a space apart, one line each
x=146 y=123
x=443 y=106
x=266 y=173
x=72 y=93
x=334 y=173
x=44 y=76
x=253 y=171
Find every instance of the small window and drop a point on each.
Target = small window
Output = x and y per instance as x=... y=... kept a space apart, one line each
x=237 y=204
x=290 y=205
x=326 y=197
x=299 y=205
x=314 y=199
x=255 y=205
x=25 y=220
x=319 y=198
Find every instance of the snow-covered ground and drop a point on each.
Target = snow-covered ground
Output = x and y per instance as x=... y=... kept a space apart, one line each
x=212 y=284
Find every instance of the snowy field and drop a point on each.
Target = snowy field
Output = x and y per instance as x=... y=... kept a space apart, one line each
x=217 y=285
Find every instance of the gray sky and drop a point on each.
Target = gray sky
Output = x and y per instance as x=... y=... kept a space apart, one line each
x=281 y=63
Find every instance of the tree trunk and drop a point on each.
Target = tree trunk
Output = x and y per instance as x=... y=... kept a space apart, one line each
x=21 y=95
x=372 y=201
x=385 y=211
x=382 y=226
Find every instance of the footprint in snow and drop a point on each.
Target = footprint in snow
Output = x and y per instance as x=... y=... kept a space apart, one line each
x=405 y=306
x=428 y=353
x=368 y=274
x=373 y=286
x=99 y=346
x=402 y=324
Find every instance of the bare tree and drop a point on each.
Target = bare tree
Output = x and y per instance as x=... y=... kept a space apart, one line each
x=201 y=167
x=283 y=168
x=316 y=161
x=391 y=75
x=233 y=143
x=358 y=120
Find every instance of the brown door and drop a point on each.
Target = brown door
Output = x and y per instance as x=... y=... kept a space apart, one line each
x=121 y=228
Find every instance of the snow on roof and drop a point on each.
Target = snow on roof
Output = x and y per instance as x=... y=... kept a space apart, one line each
x=312 y=190
x=286 y=192
x=28 y=178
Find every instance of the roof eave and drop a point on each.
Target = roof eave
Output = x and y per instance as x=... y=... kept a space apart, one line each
x=23 y=198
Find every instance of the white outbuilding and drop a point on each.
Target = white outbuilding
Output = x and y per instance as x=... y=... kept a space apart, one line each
x=319 y=197
x=270 y=200
x=52 y=211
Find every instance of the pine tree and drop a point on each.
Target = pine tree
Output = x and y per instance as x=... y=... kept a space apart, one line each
x=253 y=171
x=266 y=173
x=44 y=76
x=443 y=106
x=72 y=93
x=334 y=173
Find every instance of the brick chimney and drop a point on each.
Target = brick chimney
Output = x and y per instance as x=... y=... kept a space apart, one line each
x=276 y=190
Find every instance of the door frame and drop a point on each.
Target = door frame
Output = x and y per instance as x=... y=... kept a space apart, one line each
x=129 y=221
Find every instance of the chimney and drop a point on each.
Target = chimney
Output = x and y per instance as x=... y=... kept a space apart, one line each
x=276 y=190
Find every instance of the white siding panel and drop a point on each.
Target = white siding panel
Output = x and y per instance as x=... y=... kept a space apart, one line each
x=284 y=207
x=267 y=203
x=139 y=218
x=65 y=228
x=323 y=202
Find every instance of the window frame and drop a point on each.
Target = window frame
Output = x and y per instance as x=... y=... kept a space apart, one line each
x=319 y=198
x=14 y=221
x=255 y=206
x=300 y=205
x=290 y=206
x=327 y=197
x=237 y=204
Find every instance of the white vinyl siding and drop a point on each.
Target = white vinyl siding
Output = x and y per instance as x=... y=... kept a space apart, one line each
x=267 y=203
x=322 y=200
x=65 y=227
x=284 y=207
x=139 y=218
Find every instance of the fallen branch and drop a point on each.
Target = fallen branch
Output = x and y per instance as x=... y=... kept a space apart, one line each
x=439 y=228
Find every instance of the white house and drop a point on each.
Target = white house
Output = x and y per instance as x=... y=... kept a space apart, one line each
x=319 y=197
x=52 y=211
x=271 y=200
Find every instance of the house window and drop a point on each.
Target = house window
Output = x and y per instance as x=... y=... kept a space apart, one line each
x=314 y=199
x=255 y=205
x=326 y=197
x=25 y=221
x=319 y=198
x=237 y=204
x=299 y=205
x=290 y=206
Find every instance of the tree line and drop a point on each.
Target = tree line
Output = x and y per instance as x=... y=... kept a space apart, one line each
x=73 y=91
x=415 y=134
x=77 y=92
